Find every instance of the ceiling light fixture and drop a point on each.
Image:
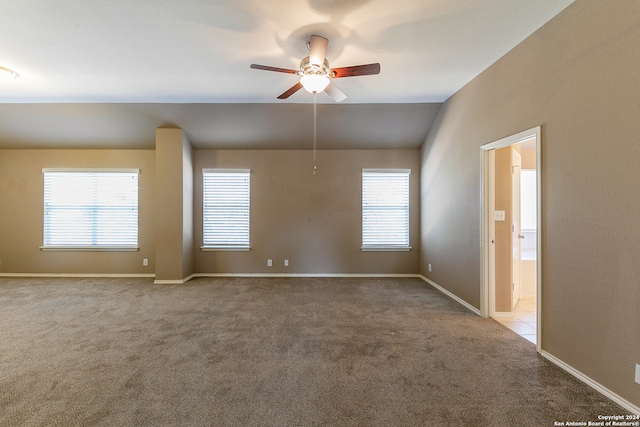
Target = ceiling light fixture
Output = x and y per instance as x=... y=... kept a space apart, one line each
x=7 y=74
x=314 y=83
x=315 y=72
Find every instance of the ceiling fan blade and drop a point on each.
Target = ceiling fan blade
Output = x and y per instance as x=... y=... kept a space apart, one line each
x=268 y=68
x=291 y=91
x=356 y=70
x=317 y=50
x=335 y=93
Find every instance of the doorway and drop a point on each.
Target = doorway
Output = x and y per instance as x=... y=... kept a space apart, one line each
x=511 y=230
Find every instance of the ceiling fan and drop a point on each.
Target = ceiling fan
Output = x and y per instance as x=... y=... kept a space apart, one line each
x=315 y=71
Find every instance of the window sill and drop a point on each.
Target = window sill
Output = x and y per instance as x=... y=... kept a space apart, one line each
x=386 y=248
x=225 y=248
x=91 y=248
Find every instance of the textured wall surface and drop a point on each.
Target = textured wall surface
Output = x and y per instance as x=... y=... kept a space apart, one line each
x=313 y=221
x=578 y=78
x=22 y=210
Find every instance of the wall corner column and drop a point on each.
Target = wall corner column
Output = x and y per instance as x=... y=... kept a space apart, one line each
x=174 y=207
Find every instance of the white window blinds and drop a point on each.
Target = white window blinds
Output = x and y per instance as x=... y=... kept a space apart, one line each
x=385 y=208
x=92 y=209
x=226 y=208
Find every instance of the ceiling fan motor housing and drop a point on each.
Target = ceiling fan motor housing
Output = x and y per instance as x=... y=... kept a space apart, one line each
x=307 y=68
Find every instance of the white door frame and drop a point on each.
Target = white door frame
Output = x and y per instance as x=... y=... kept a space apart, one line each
x=516 y=276
x=487 y=287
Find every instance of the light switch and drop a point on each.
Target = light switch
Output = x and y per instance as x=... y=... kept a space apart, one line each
x=498 y=215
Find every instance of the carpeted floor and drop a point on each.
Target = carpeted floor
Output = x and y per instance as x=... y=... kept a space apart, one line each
x=269 y=352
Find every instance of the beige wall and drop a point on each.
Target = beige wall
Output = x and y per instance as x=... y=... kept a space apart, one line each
x=21 y=212
x=313 y=221
x=174 y=206
x=528 y=159
x=578 y=77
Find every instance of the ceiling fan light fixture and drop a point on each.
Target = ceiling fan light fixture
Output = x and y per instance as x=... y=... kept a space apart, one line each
x=314 y=83
x=315 y=71
x=7 y=74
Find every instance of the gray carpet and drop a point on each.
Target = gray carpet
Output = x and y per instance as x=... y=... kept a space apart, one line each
x=269 y=352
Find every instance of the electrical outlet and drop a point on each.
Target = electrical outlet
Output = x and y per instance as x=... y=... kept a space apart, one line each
x=269 y=262
x=286 y=263
x=637 y=373
x=429 y=267
x=145 y=262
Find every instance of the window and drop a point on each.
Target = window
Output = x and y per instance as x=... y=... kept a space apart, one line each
x=226 y=196
x=92 y=209
x=385 y=209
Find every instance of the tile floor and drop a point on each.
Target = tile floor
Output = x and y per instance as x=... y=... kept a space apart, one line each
x=523 y=318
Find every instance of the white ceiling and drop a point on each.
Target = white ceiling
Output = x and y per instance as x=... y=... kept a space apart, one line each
x=172 y=52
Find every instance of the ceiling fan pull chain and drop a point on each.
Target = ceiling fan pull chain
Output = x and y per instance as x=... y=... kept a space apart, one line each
x=314 y=133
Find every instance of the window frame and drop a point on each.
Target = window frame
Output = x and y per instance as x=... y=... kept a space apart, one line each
x=386 y=247
x=90 y=247
x=244 y=246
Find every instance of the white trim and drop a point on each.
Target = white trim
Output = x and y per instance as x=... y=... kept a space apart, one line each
x=175 y=282
x=222 y=170
x=378 y=170
x=196 y=275
x=452 y=296
x=75 y=275
x=91 y=248
x=385 y=248
x=169 y=282
x=513 y=139
x=216 y=234
x=591 y=383
x=515 y=159
x=72 y=222
x=393 y=233
x=302 y=275
x=502 y=314
x=225 y=248
x=123 y=170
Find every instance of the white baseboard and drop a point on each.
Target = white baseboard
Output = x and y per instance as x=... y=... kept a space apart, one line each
x=75 y=275
x=450 y=295
x=174 y=282
x=299 y=275
x=283 y=275
x=502 y=314
x=186 y=279
x=591 y=383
